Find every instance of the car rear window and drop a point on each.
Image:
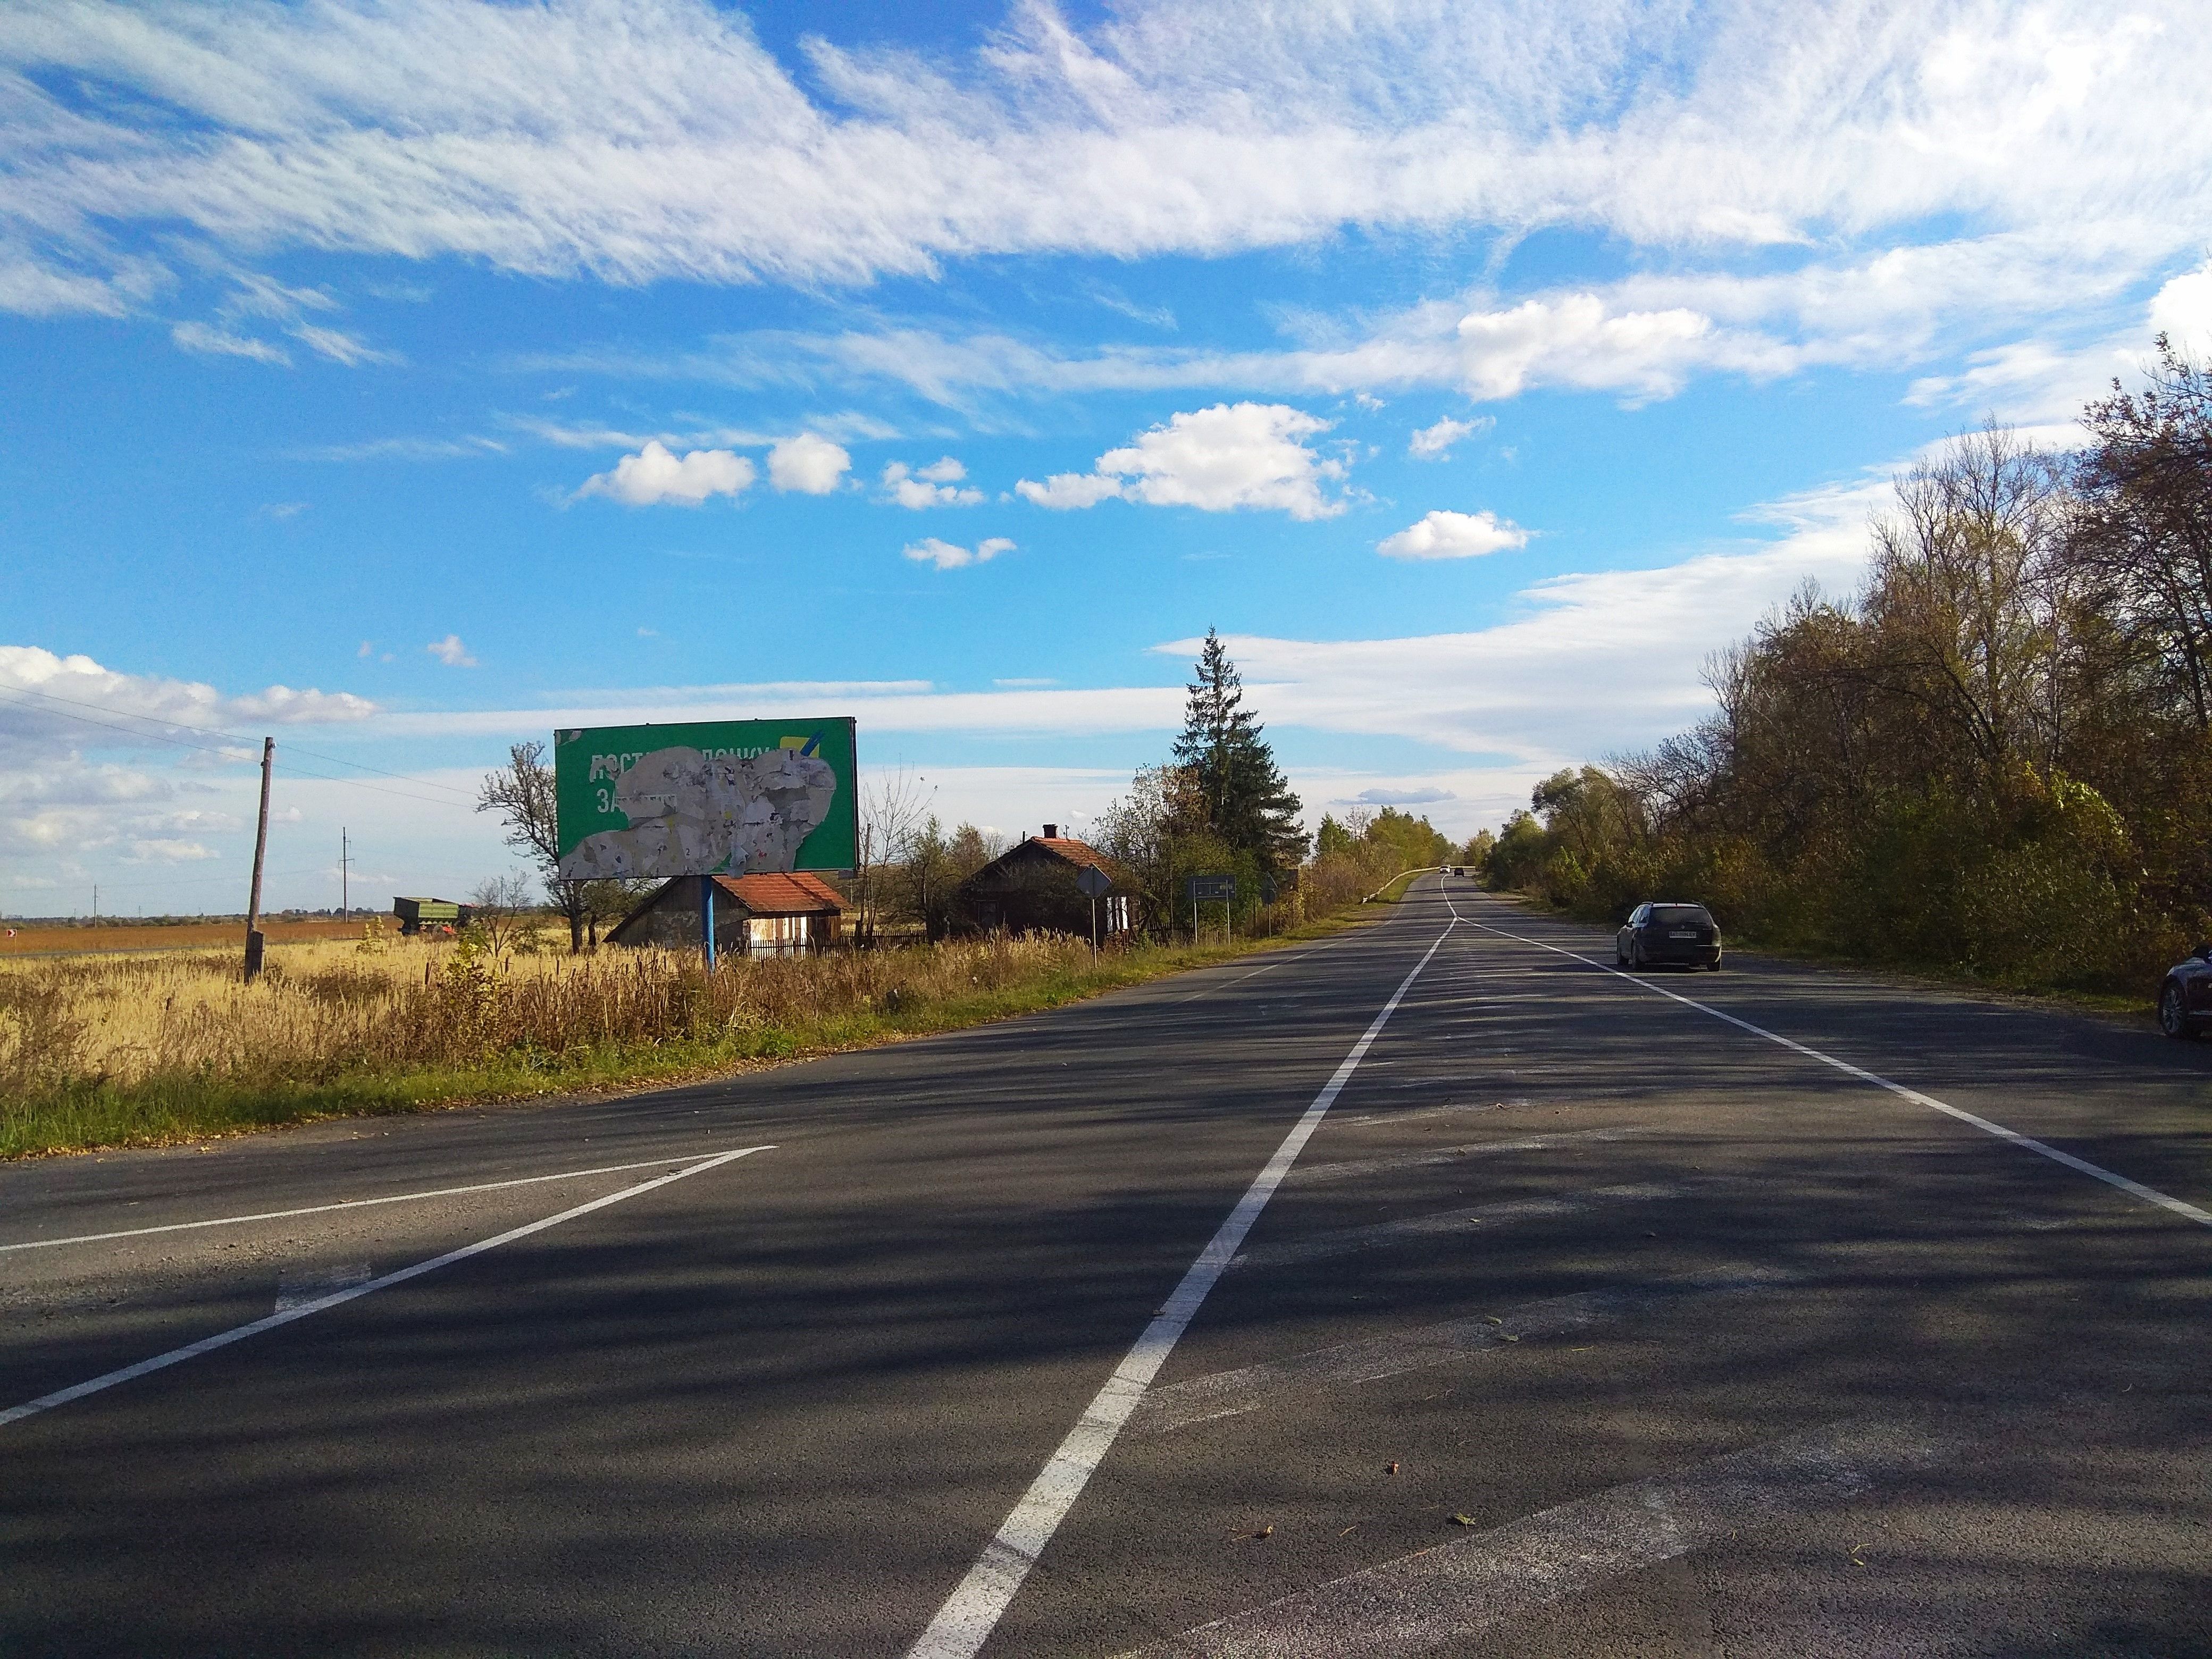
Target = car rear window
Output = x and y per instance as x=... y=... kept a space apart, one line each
x=1691 y=916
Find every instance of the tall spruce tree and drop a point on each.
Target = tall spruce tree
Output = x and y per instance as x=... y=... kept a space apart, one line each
x=1248 y=802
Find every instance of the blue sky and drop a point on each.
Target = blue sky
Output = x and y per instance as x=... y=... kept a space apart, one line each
x=403 y=380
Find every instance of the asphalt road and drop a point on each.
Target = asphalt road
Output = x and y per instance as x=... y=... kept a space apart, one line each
x=1585 y=1321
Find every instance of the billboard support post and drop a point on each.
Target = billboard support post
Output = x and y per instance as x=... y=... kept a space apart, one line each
x=707 y=918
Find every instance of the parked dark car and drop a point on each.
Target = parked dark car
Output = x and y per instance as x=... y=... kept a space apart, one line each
x=1684 y=934
x=2185 y=1002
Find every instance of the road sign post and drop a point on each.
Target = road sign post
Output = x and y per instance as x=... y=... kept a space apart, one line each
x=1209 y=889
x=1093 y=883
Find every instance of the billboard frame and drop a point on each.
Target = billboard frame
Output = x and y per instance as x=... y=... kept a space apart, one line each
x=590 y=763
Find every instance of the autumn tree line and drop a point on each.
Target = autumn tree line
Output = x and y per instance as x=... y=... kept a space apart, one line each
x=1995 y=756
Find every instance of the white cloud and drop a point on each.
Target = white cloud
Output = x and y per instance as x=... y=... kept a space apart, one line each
x=655 y=474
x=405 y=449
x=1399 y=795
x=1578 y=339
x=450 y=651
x=210 y=342
x=936 y=484
x=63 y=701
x=180 y=781
x=2183 y=310
x=1587 y=664
x=168 y=851
x=1230 y=456
x=806 y=464
x=1066 y=491
x=1443 y=535
x=447 y=128
x=946 y=556
x=1434 y=443
x=341 y=347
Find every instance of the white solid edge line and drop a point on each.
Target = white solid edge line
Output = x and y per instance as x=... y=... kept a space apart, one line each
x=346 y=1204
x=239 y=1332
x=2095 y=1172
x=969 y=1615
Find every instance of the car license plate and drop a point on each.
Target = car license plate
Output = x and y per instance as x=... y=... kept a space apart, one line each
x=1682 y=936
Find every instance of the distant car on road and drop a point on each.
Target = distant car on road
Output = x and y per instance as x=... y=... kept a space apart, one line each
x=2185 y=1002
x=1685 y=934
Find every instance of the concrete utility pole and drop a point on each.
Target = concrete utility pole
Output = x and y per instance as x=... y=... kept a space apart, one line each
x=254 y=941
x=345 y=871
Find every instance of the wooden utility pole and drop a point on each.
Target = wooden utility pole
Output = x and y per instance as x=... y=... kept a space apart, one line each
x=260 y=851
x=345 y=873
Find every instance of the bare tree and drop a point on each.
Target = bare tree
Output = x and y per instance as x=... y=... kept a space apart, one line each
x=502 y=906
x=521 y=792
x=2145 y=534
x=1963 y=590
x=894 y=806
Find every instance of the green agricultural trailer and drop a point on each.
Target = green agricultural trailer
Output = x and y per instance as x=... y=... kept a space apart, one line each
x=417 y=914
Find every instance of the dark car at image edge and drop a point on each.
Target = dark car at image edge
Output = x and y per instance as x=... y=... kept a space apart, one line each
x=2185 y=1000
x=1668 y=932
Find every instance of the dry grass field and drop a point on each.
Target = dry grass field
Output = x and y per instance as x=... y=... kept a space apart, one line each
x=109 y=1049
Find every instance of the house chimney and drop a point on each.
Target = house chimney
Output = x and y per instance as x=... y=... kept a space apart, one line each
x=1051 y=831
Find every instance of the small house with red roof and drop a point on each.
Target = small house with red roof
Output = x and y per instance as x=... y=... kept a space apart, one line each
x=773 y=913
x=1031 y=888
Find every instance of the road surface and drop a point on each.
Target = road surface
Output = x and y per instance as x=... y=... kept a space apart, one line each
x=1593 y=1315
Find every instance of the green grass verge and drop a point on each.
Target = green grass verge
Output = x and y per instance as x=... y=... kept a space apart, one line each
x=91 y=1114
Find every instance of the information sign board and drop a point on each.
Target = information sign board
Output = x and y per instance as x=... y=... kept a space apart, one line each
x=724 y=798
x=1211 y=890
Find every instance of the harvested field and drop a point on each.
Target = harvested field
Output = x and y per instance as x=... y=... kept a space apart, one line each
x=22 y=938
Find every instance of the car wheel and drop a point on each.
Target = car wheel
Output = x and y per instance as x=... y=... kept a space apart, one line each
x=1713 y=966
x=2173 y=1019
x=1636 y=954
x=1619 y=956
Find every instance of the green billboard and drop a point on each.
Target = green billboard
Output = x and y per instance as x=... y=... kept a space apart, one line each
x=706 y=798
